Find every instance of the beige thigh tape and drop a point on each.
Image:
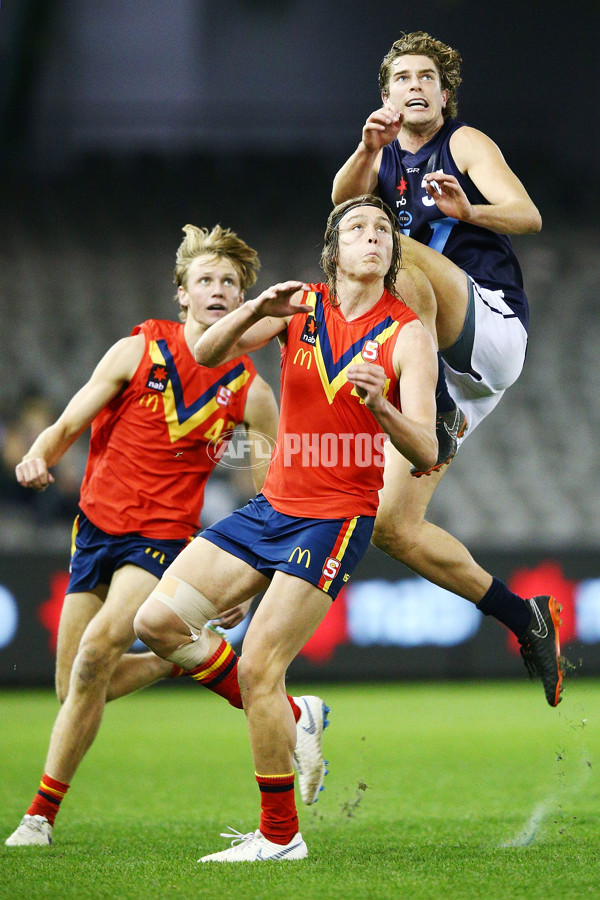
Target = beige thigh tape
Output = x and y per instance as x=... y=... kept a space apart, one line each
x=190 y=605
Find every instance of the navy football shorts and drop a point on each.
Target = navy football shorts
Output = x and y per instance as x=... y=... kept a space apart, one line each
x=323 y=552
x=96 y=555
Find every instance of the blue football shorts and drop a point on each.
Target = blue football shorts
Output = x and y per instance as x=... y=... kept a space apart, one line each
x=96 y=555
x=323 y=552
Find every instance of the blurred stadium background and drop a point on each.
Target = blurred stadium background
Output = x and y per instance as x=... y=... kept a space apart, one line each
x=121 y=122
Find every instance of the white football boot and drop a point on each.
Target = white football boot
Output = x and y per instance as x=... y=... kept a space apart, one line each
x=32 y=830
x=253 y=847
x=308 y=755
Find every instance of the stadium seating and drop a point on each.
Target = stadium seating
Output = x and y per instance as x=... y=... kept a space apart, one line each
x=88 y=255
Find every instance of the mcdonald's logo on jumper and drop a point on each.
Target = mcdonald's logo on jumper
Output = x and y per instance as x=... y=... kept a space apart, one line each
x=309 y=333
x=305 y=356
x=151 y=400
x=158 y=378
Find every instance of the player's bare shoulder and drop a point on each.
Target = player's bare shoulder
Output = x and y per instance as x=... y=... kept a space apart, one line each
x=415 y=350
x=122 y=359
x=468 y=144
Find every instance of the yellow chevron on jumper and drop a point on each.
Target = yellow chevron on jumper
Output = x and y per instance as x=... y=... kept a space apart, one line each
x=177 y=428
x=311 y=299
x=333 y=385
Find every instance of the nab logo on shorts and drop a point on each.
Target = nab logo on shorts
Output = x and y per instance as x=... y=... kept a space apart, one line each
x=223 y=395
x=331 y=568
x=309 y=334
x=370 y=351
x=158 y=378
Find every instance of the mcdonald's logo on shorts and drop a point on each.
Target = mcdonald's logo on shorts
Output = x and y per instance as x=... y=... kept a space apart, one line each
x=301 y=554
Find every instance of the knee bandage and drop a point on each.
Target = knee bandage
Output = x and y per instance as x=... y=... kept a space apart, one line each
x=195 y=610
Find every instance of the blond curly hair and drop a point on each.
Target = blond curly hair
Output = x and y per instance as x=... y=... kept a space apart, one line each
x=220 y=242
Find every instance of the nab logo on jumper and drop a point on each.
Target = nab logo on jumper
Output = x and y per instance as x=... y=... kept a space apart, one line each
x=309 y=334
x=158 y=378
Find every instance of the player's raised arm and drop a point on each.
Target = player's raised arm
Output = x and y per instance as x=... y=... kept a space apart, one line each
x=113 y=371
x=359 y=173
x=252 y=325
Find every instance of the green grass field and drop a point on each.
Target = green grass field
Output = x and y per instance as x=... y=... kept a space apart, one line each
x=435 y=791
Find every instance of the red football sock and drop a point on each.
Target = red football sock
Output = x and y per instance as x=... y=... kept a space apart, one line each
x=278 y=815
x=295 y=708
x=219 y=674
x=47 y=801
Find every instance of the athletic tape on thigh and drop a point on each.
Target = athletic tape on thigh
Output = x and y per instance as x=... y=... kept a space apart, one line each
x=190 y=605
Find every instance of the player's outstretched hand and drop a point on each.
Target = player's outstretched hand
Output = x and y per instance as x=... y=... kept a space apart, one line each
x=369 y=381
x=33 y=473
x=279 y=300
x=232 y=617
x=448 y=195
x=381 y=128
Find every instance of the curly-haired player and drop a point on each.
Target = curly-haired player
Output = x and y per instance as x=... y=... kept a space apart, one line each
x=457 y=201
